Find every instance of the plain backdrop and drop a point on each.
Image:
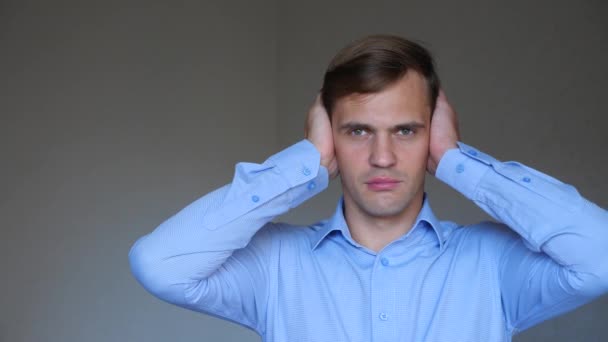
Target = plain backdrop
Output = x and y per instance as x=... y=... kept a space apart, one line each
x=117 y=114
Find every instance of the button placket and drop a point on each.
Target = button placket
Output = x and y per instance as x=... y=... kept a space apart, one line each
x=383 y=299
x=384 y=261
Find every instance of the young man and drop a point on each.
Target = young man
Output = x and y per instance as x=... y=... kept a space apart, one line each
x=383 y=267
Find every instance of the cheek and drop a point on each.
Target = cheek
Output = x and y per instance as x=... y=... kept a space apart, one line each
x=349 y=155
x=415 y=155
x=345 y=156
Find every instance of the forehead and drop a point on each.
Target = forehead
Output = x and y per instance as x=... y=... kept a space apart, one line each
x=404 y=100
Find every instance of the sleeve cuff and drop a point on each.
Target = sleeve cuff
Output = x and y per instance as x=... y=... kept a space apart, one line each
x=298 y=163
x=463 y=168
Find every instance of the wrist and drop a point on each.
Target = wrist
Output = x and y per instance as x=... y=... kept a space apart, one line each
x=445 y=149
x=437 y=155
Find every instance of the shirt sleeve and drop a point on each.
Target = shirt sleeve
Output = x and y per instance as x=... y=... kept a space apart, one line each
x=213 y=255
x=561 y=260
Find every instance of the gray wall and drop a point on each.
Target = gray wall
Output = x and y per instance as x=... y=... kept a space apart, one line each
x=115 y=116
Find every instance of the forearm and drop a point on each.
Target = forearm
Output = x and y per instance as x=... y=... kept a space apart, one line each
x=551 y=217
x=195 y=242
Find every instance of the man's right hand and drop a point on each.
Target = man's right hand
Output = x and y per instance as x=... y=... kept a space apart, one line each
x=318 y=132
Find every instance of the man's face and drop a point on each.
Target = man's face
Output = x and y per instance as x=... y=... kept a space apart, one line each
x=382 y=144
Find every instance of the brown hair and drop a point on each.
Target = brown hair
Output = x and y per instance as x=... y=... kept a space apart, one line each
x=372 y=63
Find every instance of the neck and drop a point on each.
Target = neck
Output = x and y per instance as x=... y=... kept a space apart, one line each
x=375 y=232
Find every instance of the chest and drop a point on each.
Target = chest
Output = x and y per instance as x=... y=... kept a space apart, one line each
x=416 y=295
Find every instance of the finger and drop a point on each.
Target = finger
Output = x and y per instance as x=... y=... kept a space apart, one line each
x=318 y=98
x=442 y=94
x=442 y=98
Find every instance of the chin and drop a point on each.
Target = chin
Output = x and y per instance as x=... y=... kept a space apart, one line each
x=386 y=205
x=384 y=209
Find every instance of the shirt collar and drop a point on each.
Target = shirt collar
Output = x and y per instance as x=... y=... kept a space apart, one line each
x=338 y=223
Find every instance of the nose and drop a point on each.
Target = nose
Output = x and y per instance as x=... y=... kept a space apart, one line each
x=382 y=152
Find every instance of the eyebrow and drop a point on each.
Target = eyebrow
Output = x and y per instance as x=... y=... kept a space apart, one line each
x=358 y=125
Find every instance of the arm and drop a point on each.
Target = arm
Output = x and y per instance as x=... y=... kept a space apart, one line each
x=214 y=255
x=560 y=260
x=202 y=259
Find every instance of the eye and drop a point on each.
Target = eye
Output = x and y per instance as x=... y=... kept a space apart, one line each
x=358 y=131
x=406 y=131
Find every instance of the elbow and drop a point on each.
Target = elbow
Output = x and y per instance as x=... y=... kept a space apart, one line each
x=591 y=255
x=602 y=276
x=147 y=269
x=592 y=284
x=595 y=277
x=142 y=266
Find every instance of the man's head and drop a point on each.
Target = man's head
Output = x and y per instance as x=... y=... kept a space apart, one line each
x=380 y=92
x=370 y=64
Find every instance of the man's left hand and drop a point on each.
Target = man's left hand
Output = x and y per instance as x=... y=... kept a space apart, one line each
x=444 y=132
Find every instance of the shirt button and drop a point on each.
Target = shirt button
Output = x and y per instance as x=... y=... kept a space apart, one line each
x=384 y=261
x=255 y=198
x=311 y=185
x=473 y=152
x=306 y=171
x=383 y=316
x=460 y=168
x=276 y=170
x=526 y=179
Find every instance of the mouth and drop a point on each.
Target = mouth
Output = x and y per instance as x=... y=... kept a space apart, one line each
x=382 y=183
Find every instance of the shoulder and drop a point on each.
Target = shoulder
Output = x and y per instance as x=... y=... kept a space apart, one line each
x=287 y=233
x=488 y=236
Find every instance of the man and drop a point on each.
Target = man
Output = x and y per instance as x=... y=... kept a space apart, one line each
x=383 y=267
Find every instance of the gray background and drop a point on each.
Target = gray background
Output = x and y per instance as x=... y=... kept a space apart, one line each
x=114 y=115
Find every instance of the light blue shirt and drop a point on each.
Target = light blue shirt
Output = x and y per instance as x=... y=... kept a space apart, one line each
x=222 y=255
